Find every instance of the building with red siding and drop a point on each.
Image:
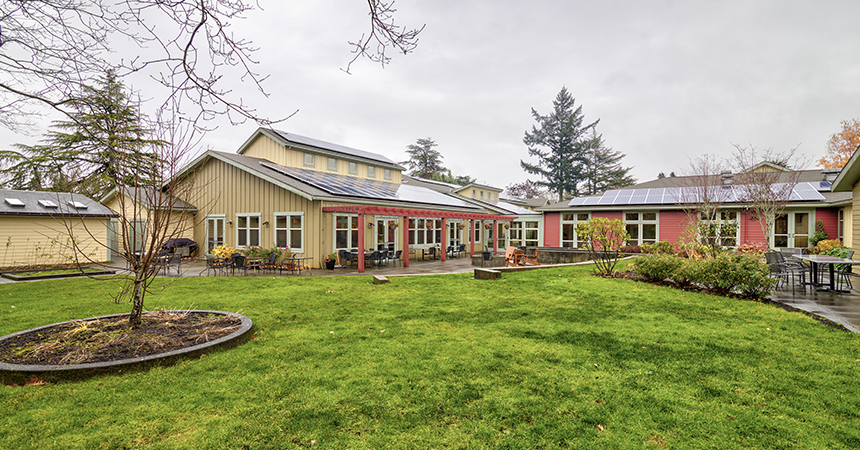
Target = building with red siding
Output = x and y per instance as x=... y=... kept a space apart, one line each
x=663 y=210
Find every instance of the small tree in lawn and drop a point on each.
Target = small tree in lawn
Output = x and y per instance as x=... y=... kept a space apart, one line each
x=768 y=181
x=603 y=239
x=704 y=190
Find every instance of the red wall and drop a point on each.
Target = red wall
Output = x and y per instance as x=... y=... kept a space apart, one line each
x=552 y=229
x=672 y=224
x=830 y=218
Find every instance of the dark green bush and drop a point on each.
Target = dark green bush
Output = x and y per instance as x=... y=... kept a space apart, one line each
x=659 y=247
x=657 y=267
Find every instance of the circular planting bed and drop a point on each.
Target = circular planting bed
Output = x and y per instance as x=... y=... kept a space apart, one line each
x=85 y=347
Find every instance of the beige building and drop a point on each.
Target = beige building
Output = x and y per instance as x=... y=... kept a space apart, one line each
x=47 y=228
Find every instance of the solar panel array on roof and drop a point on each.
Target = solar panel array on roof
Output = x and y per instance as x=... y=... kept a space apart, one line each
x=806 y=191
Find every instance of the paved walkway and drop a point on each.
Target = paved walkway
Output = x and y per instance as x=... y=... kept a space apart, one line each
x=842 y=308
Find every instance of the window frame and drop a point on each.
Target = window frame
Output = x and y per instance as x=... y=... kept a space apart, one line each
x=371 y=171
x=719 y=222
x=353 y=228
x=313 y=160
x=387 y=174
x=289 y=229
x=248 y=229
x=572 y=222
x=641 y=223
x=329 y=161
x=352 y=168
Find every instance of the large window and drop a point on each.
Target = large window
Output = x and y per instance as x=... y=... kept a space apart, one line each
x=353 y=168
x=425 y=231
x=524 y=233
x=346 y=232
x=289 y=231
x=642 y=227
x=569 y=221
x=247 y=230
x=722 y=231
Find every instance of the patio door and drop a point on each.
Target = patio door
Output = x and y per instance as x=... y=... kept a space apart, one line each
x=455 y=234
x=791 y=230
x=214 y=232
x=387 y=236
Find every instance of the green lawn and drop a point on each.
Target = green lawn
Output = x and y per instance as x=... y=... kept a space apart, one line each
x=552 y=358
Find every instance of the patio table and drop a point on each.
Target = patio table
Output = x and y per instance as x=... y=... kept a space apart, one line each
x=830 y=261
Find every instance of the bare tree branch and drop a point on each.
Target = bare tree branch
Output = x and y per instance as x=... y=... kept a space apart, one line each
x=384 y=34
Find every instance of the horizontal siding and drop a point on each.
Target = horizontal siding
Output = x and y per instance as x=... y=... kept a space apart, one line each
x=45 y=240
x=830 y=219
x=672 y=225
x=552 y=229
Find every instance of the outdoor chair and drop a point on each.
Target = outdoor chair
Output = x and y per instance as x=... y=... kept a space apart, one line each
x=784 y=272
x=432 y=251
x=797 y=265
x=461 y=250
x=843 y=273
x=238 y=262
x=271 y=264
x=531 y=258
x=213 y=264
x=174 y=260
x=397 y=257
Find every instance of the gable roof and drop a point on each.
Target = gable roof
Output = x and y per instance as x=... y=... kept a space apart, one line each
x=39 y=203
x=318 y=146
x=148 y=198
x=316 y=185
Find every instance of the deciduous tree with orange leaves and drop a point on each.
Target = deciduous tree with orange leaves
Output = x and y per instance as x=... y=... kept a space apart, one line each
x=842 y=145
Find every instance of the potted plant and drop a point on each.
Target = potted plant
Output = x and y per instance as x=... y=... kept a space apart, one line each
x=331 y=261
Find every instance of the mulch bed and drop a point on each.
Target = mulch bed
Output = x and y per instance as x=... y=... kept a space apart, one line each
x=112 y=339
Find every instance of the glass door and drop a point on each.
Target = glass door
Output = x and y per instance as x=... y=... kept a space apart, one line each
x=214 y=232
x=454 y=233
x=386 y=234
x=791 y=230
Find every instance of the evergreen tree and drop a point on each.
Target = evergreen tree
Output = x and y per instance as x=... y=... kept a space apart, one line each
x=87 y=154
x=603 y=170
x=424 y=161
x=561 y=144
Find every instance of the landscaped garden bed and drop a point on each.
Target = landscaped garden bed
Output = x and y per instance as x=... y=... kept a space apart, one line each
x=49 y=273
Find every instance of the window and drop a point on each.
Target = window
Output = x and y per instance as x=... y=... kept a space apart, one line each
x=346 y=232
x=353 y=168
x=247 y=230
x=310 y=160
x=642 y=227
x=332 y=164
x=482 y=194
x=289 y=231
x=387 y=174
x=425 y=231
x=371 y=172
x=722 y=231
x=473 y=194
x=524 y=233
x=569 y=221
x=840 y=226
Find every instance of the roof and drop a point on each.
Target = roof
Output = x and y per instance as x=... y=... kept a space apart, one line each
x=317 y=185
x=148 y=197
x=38 y=203
x=849 y=175
x=303 y=142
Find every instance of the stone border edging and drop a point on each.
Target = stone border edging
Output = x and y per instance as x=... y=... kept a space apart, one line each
x=12 y=276
x=19 y=373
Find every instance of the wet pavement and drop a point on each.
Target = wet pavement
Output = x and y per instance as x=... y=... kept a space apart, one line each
x=839 y=307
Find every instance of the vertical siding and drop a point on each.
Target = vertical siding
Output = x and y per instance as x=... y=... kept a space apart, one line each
x=46 y=240
x=829 y=217
x=848 y=227
x=265 y=148
x=223 y=189
x=552 y=229
x=672 y=225
x=855 y=217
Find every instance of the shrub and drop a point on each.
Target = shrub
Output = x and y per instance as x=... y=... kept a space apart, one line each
x=737 y=272
x=839 y=252
x=754 y=250
x=819 y=235
x=659 y=247
x=657 y=267
x=223 y=251
x=603 y=238
x=689 y=272
x=826 y=245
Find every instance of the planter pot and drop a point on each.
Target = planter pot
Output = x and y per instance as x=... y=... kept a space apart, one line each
x=330 y=265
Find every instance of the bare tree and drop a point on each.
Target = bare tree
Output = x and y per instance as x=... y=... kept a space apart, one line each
x=527 y=189
x=768 y=179
x=49 y=52
x=384 y=34
x=703 y=191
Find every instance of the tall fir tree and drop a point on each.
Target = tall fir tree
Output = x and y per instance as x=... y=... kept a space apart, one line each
x=561 y=143
x=87 y=153
x=424 y=160
x=603 y=170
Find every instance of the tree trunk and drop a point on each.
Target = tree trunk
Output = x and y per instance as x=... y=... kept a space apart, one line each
x=137 y=303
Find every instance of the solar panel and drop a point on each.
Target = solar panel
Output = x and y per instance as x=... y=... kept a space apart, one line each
x=639 y=196
x=608 y=198
x=669 y=196
x=623 y=196
x=654 y=196
x=576 y=201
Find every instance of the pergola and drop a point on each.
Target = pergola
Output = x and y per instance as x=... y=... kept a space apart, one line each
x=406 y=213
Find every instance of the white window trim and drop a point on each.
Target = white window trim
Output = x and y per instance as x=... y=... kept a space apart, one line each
x=334 y=231
x=349 y=166
x=313 y=160
x=387 y=174
x=720 y=221
x=223 y=217
x=369 y=169
x=328 y=164
x=641 y=222
x=275 y=229
x=236 y=228
x=574 y=222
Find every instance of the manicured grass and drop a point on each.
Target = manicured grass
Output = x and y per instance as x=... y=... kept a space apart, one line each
x=542 y=359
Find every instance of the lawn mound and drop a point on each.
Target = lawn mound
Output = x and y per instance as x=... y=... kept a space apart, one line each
x=85 y=347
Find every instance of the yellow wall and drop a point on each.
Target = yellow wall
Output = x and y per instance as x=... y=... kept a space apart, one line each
x=489 y=195
x=127 y=208
x=265 y=148
x=224 y=189
x=849 y=227
x=46 y=240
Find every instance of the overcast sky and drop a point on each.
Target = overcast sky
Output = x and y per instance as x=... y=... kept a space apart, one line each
x=669 y=80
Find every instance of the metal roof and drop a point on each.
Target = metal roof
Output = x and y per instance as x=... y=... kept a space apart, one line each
x=316 y=143
x=39 y=203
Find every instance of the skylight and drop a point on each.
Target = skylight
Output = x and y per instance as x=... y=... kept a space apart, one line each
x=78 y=205
x=14 y=202
x=47 y=203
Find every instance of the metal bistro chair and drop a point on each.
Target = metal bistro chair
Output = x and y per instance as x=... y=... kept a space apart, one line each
x=174 y=260
x=397 y=257
x=843 y=273
x=238 y=262
x=783 y=272
x=213 y=264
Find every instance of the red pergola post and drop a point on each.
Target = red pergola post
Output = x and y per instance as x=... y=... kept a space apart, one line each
x=471 y=237
x=405 y=241
x=443 y=246
x=361 y=242
x=495 y=237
